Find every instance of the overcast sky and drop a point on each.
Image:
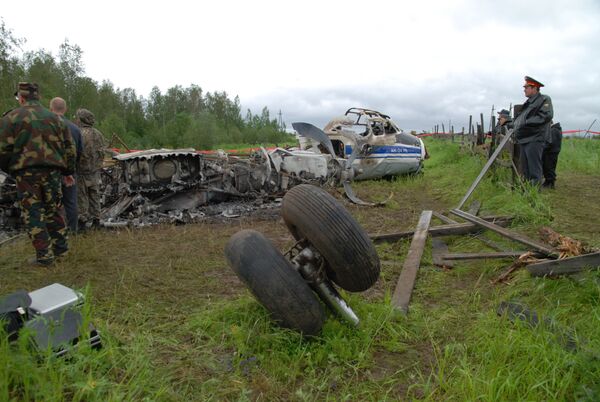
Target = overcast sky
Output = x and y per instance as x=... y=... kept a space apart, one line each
x=423 y=63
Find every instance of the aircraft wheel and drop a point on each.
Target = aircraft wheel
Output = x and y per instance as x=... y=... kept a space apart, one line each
x=351 y=259
x=274 y=282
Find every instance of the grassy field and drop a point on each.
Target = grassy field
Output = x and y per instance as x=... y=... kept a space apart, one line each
x=177 y=324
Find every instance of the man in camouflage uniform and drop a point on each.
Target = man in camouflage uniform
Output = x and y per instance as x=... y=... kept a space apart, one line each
x=532 y=130
x=88 y=170
x=37 y=149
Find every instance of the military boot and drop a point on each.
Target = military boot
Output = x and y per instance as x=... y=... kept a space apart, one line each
x=548 y=184
x=45 y=261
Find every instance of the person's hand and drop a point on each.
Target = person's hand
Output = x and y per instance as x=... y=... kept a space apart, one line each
x=69 y=180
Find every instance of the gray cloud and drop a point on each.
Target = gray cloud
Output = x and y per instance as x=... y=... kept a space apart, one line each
x=421 y=106
x=492 y=47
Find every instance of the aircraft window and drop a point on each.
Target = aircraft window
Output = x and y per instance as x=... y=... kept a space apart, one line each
x=338 y=147
x=357 y=129
x=389 y=129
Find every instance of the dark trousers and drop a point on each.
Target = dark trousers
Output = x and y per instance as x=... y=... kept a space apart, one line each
x=531 y=161
x=549 y=161
x=70 y=203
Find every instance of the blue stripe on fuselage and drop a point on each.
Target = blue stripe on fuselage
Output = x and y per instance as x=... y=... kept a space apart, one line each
x=388 y=149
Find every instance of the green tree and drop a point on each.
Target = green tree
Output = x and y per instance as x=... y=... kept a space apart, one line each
x=70 y=64
x=10 y=69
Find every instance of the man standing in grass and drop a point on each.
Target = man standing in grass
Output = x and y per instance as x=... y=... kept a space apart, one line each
x=37 y=149
x=532 y=130
x=59 y=107
x=550 y=156
x=88 y=170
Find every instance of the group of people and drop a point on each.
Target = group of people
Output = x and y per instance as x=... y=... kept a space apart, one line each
x=56 y=165
x=538 y=138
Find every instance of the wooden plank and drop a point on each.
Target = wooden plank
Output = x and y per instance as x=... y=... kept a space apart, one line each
x=443 y=218
x=485 y=169
x=406 y=282
x=480 y=256
x=565 y=266
x=438 y=249
x=443 y=230
x=538 y=246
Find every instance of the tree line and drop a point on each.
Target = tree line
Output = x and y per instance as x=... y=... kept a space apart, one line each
x=180 y=117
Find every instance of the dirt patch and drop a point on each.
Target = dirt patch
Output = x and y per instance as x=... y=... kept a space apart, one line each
x=575 y=206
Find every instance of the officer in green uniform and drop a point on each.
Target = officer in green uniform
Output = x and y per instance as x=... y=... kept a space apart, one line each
x=37 y=149
x=532 y=130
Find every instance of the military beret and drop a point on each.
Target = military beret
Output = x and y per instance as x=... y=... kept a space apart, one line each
x=504 y=112
x=26 y=89
x=533 y=81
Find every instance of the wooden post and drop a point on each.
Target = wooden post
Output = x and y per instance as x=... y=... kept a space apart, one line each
x=479 y=140
x=482 y=126
x=408 y=276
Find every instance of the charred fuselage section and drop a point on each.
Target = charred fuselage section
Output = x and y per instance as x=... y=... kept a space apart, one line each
x=163 y=185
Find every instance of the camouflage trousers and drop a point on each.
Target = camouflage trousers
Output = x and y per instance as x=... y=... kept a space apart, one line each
x=88 y=196
x=39 y=193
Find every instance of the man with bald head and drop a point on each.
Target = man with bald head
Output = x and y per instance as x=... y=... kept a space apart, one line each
x=59 y=107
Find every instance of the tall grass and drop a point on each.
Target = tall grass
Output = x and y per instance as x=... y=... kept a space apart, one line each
x=504 y=360
x=580 y=156
x=115 y=372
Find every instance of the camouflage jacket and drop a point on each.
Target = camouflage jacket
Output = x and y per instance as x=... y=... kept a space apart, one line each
x=31 y=136
x=94 y=146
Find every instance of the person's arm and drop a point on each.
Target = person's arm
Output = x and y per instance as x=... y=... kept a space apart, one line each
x=543 y=114
x=70 y=151
x=6 y=144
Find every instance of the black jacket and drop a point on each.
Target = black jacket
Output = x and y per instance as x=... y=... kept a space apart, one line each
x=556 y=133
x=533 y=123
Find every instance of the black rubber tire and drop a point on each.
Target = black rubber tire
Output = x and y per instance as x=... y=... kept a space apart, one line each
x=312 y=213
x=274 y=282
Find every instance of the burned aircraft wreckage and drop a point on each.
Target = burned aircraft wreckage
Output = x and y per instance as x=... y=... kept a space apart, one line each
x=183 y=185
